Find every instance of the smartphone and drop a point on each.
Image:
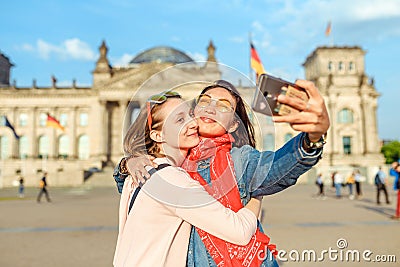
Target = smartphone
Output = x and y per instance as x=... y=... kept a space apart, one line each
x=266 y=96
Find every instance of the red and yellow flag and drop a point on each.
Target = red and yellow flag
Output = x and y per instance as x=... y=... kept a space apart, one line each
x=328 y=29
x=52 y=122
x=255 y=61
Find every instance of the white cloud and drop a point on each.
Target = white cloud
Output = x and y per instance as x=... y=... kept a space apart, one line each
x=123 y=60
x=361 y=10
x=27 y=47
x=265 y=44
x=353 y=23
x=257 y=26
x=197 y=56
x=340 y=11
x=45 y=49
x=261 y=37
x=69 y=49
x=78 y=49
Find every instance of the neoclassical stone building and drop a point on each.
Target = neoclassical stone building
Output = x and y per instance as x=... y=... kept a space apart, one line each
x=96 y=117
x=352 y=101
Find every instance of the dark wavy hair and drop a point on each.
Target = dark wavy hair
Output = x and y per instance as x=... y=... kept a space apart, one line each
x=244 y=135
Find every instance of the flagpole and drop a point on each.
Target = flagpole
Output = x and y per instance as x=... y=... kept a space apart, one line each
x=24 y=171
x=250 y=68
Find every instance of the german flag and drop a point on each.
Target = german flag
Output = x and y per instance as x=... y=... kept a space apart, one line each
x=255 y=61
x=328 y=29
x=52 y=122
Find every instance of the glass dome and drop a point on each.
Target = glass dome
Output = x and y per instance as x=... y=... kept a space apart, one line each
x=161 y=54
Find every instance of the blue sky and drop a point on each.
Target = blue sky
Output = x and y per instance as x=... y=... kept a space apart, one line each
x=61 y=38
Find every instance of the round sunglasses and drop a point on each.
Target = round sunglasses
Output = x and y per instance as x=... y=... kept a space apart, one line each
x=222 y=105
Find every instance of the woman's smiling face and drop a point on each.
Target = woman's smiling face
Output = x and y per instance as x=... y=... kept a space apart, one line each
x=213 y=122
x=179 y=129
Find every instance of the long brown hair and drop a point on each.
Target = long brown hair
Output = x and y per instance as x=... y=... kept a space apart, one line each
x=244 y=135
x=137 y=141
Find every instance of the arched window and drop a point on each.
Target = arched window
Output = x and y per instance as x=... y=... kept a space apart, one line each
x=23 y=119
x=330 y=66
x=83 y=147
x=42 y=119
x=43 y=146
x=340 y=66
x=288 y=136
x=4 y=147
x=63 y=119
x=23 y=147
x=135 y=114
x=345 y=116
x=269 y=142
x=63 y=146
x=83 y=119
x=351 y=66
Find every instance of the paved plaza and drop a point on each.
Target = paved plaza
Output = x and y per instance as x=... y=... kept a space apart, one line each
x=79 y=227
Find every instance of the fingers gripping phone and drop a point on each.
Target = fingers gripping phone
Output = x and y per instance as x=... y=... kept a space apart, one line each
x=266 y=96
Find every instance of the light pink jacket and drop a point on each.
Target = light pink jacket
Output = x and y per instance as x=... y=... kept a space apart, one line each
x=156 y=231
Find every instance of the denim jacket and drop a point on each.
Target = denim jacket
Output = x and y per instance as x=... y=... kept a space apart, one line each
x=257 y=174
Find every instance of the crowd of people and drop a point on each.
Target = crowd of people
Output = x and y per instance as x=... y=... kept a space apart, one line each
x=42 y=188
x=355 y=179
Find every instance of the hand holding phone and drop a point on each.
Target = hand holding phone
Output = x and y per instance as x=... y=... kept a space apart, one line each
x=266 y=98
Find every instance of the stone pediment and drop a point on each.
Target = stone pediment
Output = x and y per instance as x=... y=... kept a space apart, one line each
x=155 y=76
x=130 y=78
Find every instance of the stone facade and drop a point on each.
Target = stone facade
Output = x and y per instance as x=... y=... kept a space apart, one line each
x=96 y=117
x=352 y=101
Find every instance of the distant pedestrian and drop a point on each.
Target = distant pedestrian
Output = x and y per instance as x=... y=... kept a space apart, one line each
x=320 y=183
x=380 y=182
x=333 y=179
x=395 y=171
x=350 y=182
x=21 y=187
x=357 y=181
x=43 y=188
x=338 y=180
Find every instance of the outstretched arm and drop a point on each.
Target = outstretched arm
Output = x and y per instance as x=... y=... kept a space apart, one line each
x=270 y=172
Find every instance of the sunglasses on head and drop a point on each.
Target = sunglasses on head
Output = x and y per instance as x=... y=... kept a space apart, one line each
x=157 y=100
x=222 y=105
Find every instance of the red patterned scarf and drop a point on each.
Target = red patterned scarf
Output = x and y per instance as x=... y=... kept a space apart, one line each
x=223 y=187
